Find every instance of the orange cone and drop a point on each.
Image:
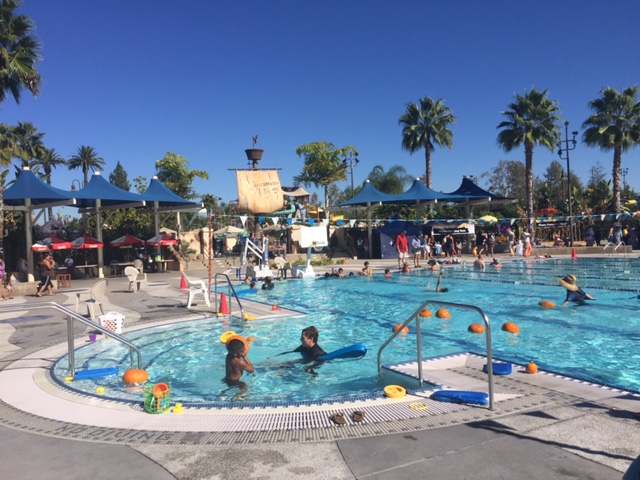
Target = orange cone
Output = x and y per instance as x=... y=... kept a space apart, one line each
x=183 y=283
x=224 y=308
x=574 y=255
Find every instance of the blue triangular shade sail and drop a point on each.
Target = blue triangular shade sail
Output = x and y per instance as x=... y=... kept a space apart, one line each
x=109 y=195
x=368 y=195
x=27 y=185
x=158 y=192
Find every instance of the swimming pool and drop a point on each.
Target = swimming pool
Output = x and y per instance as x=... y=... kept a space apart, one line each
x=596 y=342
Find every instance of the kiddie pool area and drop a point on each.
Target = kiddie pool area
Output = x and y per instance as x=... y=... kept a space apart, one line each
x=596 y=342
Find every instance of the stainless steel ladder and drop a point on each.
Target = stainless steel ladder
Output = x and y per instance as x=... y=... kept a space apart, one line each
x=231 y=292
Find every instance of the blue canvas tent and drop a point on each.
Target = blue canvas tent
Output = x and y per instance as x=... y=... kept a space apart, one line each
x=385 y=237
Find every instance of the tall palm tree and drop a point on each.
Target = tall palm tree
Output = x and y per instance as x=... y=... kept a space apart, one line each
x=392 y=181
x=27 y=143
x=50 y=160
x=19 y=53
x=614 y=125
x=86 y=159
x=426 y=126
x=531 y=121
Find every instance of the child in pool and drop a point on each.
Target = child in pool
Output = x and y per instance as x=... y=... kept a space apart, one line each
x=236 y=364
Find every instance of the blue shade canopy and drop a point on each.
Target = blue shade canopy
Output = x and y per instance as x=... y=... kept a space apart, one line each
x=368 y=195
x=27 y=185
x=109 y=195
x=158 y=192
x=472 y=191
x=419 y=193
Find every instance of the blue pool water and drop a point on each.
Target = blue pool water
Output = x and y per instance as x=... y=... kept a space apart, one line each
x=598 y=342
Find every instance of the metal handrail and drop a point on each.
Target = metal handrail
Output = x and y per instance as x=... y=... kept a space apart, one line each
x=231 y=292
x=71 y=316
x=416 y=316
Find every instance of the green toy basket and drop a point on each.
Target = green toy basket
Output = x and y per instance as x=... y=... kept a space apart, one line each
x=157 y=397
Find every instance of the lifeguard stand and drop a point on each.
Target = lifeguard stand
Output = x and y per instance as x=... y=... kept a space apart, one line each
x=310 y=238
x=259 y=271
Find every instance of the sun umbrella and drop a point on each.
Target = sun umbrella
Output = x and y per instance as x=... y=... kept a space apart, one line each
x=86 y=243
x=162 y=240
x=39 y=247
x=228 y=230
x=546 y=211
x=56 y=243
x=488 y=218
x=127 y=241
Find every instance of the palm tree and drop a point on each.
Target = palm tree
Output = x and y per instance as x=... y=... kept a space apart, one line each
x=26 y=143
x=50 y=160
x=614 y=125
x=18 y=53
x=392 y=181
x=426 y=126
x=86 y=159
x=531 y=122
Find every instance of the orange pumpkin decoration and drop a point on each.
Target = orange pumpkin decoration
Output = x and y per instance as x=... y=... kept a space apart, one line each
x=532 y=368
x=135 y=376
x=442 y=313
x=399 y=326
x=426 y=313
x=510 y=327
x=238 y=337
x=476 y=328
x=545 y=304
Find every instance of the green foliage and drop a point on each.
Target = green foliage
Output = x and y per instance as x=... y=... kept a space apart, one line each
x=393 y=181
x=140 y=184
x=173 y=171
x=86 y=159
x=119 y=178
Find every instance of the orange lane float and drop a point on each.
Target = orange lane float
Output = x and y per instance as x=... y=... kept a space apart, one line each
x=135 y=376
x=238 y=337
x=545 y=304
x=399 y=326
x=426 y=313
x=510 y=327
x=531 y=368
x=251 y=339
x=442 y=313
x=475 y=328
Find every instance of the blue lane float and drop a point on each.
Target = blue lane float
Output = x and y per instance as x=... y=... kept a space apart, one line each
x=461 y=396
x=352 y=352
x=499 y=368
x=98 y=372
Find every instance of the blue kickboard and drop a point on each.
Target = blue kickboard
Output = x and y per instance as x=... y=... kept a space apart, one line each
x=99 y=372
x=499 y=368
x=460 y=396
x=354 y=351
x=250 y=291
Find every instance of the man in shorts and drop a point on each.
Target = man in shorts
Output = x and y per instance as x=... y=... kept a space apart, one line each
x=402 y=247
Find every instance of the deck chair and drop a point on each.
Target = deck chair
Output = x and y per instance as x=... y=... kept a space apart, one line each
x=280 y=263
x=93 y=298
x=197 y=287
x=136 y=279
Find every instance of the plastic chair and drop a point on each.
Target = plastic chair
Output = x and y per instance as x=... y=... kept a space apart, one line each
x=280 y=263
x=197 y=287
x=136 y=279
x=96 y=295
x=138 y=265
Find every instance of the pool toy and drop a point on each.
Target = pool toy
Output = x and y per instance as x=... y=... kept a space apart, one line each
x=177 y=408
x=394 y=391
x=426 y=313
x=353 y=351
x=100 y=390
x=475 y=328
x=249 y=318
x=545 y=304
x=99 y=372
x=68 y=379
x=224 y=338
x=531 y=368
x=499 y=368
x=238 y=337
x=461 y=396
x=250 y=339
x=160 y=390
x=246 y=292
x=135 y=376
x=398 y=327
x=157 y=398
x=275 y=307
x=510 y=327
x=418 y=406
x=442 y=313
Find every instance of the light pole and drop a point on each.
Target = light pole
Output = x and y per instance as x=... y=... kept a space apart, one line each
x=84 y=215
x=349 y=162
x=566 y=151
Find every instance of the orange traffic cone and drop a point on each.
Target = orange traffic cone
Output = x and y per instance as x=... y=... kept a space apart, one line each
x=574 y=255
x=183 y=283
x=224 y=308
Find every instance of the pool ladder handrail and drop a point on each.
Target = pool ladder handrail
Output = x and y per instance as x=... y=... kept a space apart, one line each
x=416 y=316
x=71 y=316
x=231 y=292
x=615 y=248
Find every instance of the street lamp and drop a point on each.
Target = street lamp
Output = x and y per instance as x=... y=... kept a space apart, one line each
x=566 y=151
x=73 y=185
x=84 y=215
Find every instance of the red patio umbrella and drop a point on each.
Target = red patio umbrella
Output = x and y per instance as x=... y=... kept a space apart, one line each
x=127 y=241
x=56 y=243
x=546 y=211
x=86 y=243
x=162 y=240
x=39 y=247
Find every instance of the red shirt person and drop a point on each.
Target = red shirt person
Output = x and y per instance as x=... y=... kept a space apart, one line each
x=402 y=247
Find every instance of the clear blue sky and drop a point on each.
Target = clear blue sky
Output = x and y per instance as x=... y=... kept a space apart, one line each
x=137 y=79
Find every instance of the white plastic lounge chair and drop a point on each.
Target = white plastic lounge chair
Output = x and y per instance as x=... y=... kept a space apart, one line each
x=136 y=279
x=196 y=287
x=93 y=298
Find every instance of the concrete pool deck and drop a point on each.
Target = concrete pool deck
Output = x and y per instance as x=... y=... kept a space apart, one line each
x=543 y=427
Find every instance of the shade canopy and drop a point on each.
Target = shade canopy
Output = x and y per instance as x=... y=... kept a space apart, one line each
x=228 y=230
x=162 y=240
x=158 y=193
x=28 y=187
x=99 y=189
x=39 y=247
x=86 y=243
x=127 y=241
x=55 y=243
x=369 y=195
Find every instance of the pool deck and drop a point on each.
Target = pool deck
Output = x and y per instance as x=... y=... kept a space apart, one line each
x=543 y=426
